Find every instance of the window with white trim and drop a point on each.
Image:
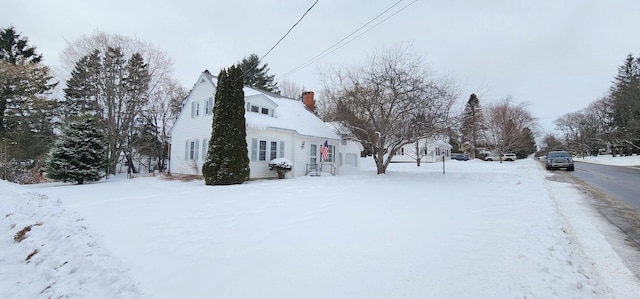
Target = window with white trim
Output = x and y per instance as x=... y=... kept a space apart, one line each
x=273 y=150
x=259 y=109
x=263 y=149
x=331 y=155
x=262 y=154
x=191 y=150
x=195 y=109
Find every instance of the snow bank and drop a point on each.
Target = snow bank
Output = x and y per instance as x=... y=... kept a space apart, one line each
x=45 y=253
x=610 y=160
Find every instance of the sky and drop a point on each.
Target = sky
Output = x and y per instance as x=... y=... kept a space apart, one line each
x=557 y=56
x=411 y=233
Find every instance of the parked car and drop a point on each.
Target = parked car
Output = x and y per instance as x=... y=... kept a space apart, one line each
x=459 y=157
x=558 y=160
x=505 y=157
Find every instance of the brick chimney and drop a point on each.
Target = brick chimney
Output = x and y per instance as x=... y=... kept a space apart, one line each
x=307 y=100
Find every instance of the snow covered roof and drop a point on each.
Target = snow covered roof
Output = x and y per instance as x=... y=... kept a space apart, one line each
x=290 y=115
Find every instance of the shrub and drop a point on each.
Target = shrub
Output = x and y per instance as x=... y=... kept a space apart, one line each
x=281 y=166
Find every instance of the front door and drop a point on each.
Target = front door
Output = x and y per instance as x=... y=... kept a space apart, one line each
x=313 y=154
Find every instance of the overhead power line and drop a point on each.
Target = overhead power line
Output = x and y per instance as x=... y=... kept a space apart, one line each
x=294 y=25
x=338 y=44
x=278 y=42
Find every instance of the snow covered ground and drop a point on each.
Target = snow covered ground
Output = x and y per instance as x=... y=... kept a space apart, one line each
x=482 y=230
x=610 y=160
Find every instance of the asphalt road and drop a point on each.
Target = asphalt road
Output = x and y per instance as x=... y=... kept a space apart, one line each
x=620 y=183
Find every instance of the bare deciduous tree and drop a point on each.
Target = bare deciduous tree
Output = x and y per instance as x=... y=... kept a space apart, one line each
x=388 y=102
x=165 y=103
x=506 y=124
x=290 y=89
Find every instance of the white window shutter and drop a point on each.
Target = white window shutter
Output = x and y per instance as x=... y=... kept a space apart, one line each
x=186 y=150
x=254 y=149
x=281 y=155
x=195 y=150
x=205 y=146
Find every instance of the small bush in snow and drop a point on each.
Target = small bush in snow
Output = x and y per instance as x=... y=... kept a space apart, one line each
x=281 y=166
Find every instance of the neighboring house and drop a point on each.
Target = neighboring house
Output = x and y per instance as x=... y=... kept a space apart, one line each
x=277 y=127
x=431 y=150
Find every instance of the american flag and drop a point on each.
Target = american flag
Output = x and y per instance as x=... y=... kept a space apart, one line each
x=324 y=150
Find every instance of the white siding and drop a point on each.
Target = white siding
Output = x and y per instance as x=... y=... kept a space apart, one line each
x=260 y=168
x=191 y=128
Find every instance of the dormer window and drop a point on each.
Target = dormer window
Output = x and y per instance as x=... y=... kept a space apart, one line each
x=257 y=109
x=261 y=105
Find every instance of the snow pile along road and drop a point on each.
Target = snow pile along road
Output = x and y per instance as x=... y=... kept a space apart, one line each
x=44 y=253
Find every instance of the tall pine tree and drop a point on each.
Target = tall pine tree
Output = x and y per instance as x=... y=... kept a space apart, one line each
x=256 y=75
x=79 y=154
x=228 y=158
x=472 y=120
x=625 y=95
x=26 y=114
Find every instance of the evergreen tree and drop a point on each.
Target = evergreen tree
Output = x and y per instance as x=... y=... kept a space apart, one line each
x=79 y=154
x=26 y=115
x=472 y=123
x=113 y=87
x=82 y=88
x=625 y=95
x=228 y=158
x=256 y=75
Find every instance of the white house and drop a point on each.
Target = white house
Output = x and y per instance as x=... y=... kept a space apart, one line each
x=277 y=127
x=429 y=150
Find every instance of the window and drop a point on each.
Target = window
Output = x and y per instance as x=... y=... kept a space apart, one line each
x=195 y=109
x=208 y=106
x=254 y=108
x=191 y=150
x=313 y=154
x=265 y=111
x=262 y=154
x=331 y=151
x=259 y=151
x=273 y=150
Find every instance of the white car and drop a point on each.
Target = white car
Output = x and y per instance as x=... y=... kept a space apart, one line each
x=505 y=157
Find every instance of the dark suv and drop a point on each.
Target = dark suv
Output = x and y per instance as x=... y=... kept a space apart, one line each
x=559 y=159
x=459 y=157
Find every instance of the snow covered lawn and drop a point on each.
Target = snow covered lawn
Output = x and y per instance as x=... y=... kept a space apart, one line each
x=482 y=230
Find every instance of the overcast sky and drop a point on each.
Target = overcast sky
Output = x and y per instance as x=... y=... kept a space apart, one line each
x=558 y=56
